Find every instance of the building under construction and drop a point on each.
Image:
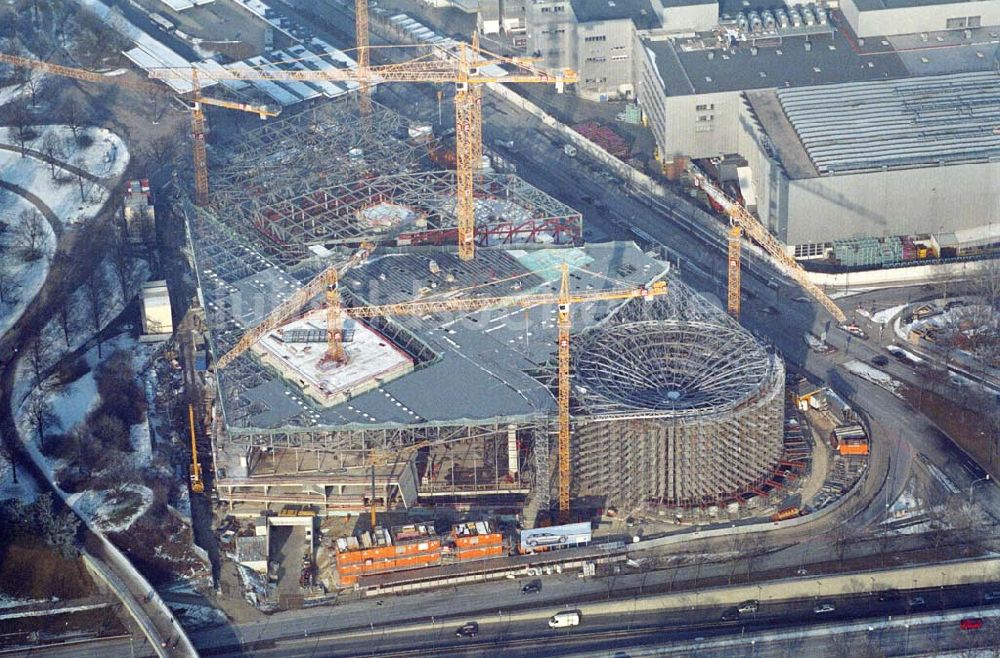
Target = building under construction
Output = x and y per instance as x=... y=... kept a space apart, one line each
x=457 y=407
x=374 y=185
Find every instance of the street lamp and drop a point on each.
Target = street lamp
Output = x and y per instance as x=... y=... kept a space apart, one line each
x=983 y=479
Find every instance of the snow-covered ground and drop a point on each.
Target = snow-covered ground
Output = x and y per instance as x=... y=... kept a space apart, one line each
x=113 y=511
x=105 y=157
x=873 y=375
x=29 y=275
x=60 y=191
x=61 y=195
x=885 y=316
x=72 y=403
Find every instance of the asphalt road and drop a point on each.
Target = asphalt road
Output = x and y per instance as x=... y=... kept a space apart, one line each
x=900 y=434
x=501 y=636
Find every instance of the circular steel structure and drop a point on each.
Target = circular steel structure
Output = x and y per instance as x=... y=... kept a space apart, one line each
x=675 y=412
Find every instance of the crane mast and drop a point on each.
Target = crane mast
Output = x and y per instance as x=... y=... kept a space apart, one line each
x=751 y=226
x=197 y=485
x=197 y=113
x=326 y=281
x=361 y=41
x=466 y=70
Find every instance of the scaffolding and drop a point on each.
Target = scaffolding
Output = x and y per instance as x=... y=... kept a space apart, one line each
x=675 y=413
x=270 y=188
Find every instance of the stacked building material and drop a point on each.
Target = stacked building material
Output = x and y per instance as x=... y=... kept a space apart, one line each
x=412 y=547
x=604 y=137
x=475 y=541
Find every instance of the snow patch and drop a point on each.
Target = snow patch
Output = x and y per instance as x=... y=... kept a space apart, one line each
x=28 y=275
x=886 y=316
x=105 y=157
x=73 y=402
x=113 y=511
x=873 y=375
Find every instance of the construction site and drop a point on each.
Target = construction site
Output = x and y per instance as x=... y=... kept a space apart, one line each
x=456 y=402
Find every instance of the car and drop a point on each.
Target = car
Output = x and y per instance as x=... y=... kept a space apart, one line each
x=888 y=595
x=825 y=606
x=532 y=587
x=750 y=605
x=545 y=539
x=880 y=360
x=916 y=601
x=771 y=310
x=468 y=629
x=971 y=623
x=992 y=596
x=731 y=614
x=565 y=619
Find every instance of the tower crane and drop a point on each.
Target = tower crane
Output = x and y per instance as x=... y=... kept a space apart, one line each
x=328 y=281
x=361 y=41
x=466 y=69
x=197 y=114
x=743 y=222
x=563 y=300
x=197 y=485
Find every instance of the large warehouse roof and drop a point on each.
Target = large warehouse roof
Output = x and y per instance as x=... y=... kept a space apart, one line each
x=900 y=123
x=692 y=67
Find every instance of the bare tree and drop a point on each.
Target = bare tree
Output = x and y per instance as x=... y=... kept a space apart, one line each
x=20 y=121
x=95 y=292
x=67 y=320
x=81 y=165
x=72 y=115
x=52 y=149
x=8 y=287
x=41 y=415
x=160 y=102
x=37 y=359
x=34 y=85
x=126 y=268
x=30 y=235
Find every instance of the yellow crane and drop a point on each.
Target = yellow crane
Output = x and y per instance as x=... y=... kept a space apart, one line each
x=469 y=67
x=197 y=114
x=743 y=222
x=329 y=281
x=197 y=485
x=564 y=299
x=380 y=458
x=361 y=41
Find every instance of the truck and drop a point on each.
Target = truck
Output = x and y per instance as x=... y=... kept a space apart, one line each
x=787 y=513
x=565 y=619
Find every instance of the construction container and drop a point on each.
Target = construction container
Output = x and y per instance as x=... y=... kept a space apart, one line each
x=853 y=448
x=479 y=553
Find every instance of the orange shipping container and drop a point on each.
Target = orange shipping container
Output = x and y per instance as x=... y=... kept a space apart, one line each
x=480 y=553
x=493 y=539
x=853 y=448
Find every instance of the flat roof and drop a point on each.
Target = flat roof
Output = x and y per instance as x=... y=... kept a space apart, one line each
x=640 y=11
x=929 y=120
x=693 y=66
x=875 y=5
x=475 y=367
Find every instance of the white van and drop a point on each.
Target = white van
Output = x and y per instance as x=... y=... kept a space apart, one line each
x=565 y=619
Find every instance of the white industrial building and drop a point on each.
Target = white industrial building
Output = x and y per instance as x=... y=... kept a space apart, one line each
x=157 y=319
x=838 y=137
x=870 y=18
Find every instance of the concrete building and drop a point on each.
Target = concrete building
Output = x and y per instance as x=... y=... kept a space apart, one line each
x=157 y=321
x=138 y=213
x=869 y=18
x=596 y=38
x=841 y=138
